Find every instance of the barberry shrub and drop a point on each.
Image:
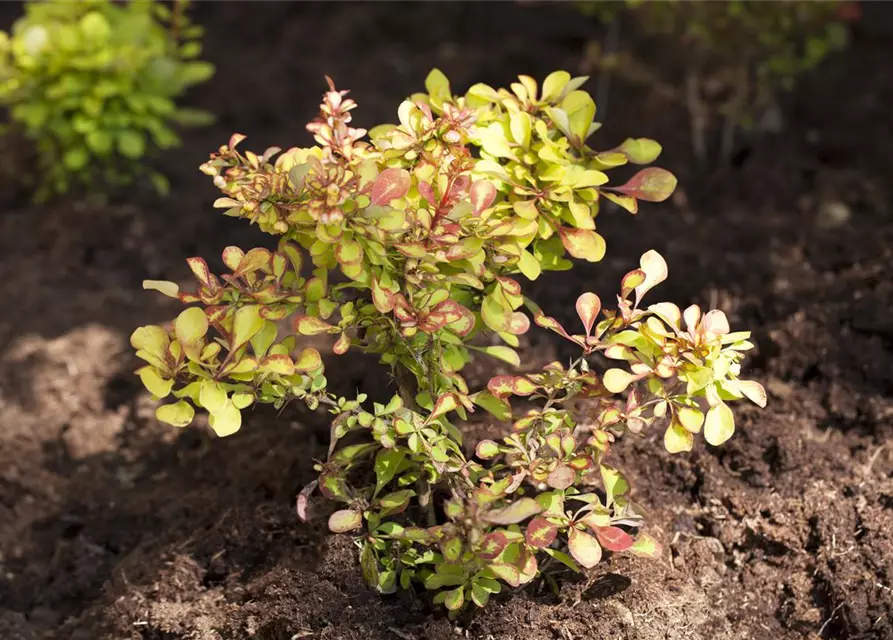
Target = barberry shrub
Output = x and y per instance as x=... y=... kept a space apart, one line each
x=739 y=55
x=433 y=224
x=94 y=84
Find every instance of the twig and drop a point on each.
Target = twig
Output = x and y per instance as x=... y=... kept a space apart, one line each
x=830 y=618
x=874 y=457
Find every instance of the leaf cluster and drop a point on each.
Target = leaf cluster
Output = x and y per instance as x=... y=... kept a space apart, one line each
x=95 y=84
x=410 y=245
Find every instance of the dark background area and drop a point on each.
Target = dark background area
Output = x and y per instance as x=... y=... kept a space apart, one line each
x=114 y=526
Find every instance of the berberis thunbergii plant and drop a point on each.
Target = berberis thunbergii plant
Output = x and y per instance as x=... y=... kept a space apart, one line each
x=431 y=224
x=95 y=83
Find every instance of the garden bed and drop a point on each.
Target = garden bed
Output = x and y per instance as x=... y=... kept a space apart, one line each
x=112 y=525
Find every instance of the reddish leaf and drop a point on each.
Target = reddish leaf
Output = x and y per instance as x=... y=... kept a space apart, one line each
x=483 y=193
x=541 y=533
x=651 y=185
x=200 y=269
x=582 y=243
x=561 y=477
x=588 y=308
x=341 y=345
x=256 y=259
x=614 y=538
x=519 y=324
x=304 y=500
x=389 y=185
x=492 y=545
x=501 y=386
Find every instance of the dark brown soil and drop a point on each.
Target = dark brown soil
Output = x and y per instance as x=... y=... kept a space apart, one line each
x=113 y=526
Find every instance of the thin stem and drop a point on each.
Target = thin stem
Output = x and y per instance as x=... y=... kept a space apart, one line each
x=604 y=79
x=696 y=113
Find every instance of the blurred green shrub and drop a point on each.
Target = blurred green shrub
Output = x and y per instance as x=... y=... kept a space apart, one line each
x=94 y=85
x=739 y=55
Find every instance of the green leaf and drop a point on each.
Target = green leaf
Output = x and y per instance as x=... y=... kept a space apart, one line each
x=157 y=386
x=615 y=483
x=486 y=450
x=529 y=266
x=455 y=599
x=170 y=289
x=131 y=144
x=179 y=414
x=719 y=425
x=580 y=109
x=554 y=84
x=212 y=396
x=387 y=461
x=645 y=546
x=640 y=150
x=497 y=407
x=246 y=323
x=76 y=159
x=506 y=354
x=369 y=564
x=616 y=380
x=191 y=325
x=308 y=360
x=438 y=86
x=95 y=27
x=226 y=421
x=517 y=511
x=677 y=438
x=564 y=559
x=151 y=338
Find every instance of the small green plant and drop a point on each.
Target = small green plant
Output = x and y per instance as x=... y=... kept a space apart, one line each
x=739 y=55
x=94 y=83
x=431 y=224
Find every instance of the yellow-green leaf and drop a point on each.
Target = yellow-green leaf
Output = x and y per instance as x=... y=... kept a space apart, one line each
x=246 y=323
x=152 y=380
x=226 y=421
x=170 y=289
x=583 y=243
x=178 y=414
x=677 y=438
x=150 y=338
x=719 y=425
x=191 y=325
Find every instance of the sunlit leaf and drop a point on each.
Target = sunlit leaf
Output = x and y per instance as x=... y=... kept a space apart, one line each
x=584 y=548
x=345 y=520
x=719 y=425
